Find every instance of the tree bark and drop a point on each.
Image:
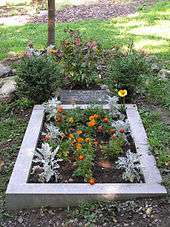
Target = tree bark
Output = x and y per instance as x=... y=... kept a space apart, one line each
x=51 y=22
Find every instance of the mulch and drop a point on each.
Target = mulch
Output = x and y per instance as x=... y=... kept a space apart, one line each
x=103 y=10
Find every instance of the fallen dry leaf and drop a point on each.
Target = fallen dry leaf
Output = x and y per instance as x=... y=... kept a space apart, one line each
x=1 y=164
x=105 y=164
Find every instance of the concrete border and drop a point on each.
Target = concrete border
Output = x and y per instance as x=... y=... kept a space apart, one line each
x=21 y=194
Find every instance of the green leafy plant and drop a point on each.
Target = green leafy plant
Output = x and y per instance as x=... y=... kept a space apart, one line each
x=80 y=60
x=125 y=71
x=84 y=167
x=114 y=147
x=37 y=78
x=24 y=103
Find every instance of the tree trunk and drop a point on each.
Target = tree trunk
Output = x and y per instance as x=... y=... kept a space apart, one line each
x=51 y=22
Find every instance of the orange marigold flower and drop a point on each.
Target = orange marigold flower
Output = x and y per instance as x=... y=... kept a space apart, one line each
x=60 y=109
x=81 y=157
x=92 y=181
x=87 y=140
x=91 y=117
x=96 y=116
x=80 y=140
x=79 y=132
x=78 y=146
x=91 y=123
x=71 y=136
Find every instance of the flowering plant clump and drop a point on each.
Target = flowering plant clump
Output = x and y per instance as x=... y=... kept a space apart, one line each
x=79 y=61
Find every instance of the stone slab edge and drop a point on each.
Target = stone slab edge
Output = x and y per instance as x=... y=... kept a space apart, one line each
x=147 y=160
x=21 y=194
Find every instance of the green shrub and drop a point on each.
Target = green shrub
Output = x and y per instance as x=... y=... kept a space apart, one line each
x=37 y=78
x=80 y=60
x=126 y=70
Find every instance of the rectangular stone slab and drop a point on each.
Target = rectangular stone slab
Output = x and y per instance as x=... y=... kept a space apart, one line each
x=21 y=194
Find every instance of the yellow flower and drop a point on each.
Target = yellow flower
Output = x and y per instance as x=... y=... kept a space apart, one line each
x=91 y=117
x=52 y=51
x=87 y=140
x=71 y=120
x=96 y=116
x=122 y=93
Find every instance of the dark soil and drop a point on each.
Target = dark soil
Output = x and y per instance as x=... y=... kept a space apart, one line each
x=104 y=169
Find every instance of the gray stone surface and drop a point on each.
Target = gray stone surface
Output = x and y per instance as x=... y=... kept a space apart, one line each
x=21 y=194
x=7 y=86
x=148 y=164
x=5 y=70
x=164 y=74
x=83 y=96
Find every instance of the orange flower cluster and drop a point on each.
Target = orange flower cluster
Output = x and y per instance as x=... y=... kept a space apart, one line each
x=80 y=140
x=92 y=123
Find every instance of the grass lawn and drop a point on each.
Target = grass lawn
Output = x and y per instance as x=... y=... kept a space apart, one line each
x=148 y=28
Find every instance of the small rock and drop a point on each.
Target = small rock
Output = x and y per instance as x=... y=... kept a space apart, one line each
x=155 y=67
x=164 y=74
x=144 y=216
x=5 y=71
x=7 y=86
x=70 y=180
x=20 y=220
x=149 y=210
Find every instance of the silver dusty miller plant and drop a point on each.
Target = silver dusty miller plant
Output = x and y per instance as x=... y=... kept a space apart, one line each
x=115 y=107
x=51 y=107
x=121 y=124
x=46 y=164
x=131 y=166
x=53 y=131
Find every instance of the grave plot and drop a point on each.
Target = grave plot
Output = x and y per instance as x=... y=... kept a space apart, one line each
x=72 y=153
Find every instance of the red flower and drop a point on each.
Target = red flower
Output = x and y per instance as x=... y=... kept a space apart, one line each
x=77 y=41
x=60 y=109
x=122 y=130
x=105 y=120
